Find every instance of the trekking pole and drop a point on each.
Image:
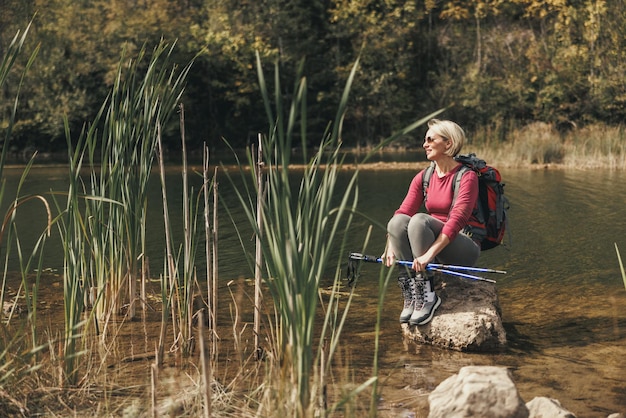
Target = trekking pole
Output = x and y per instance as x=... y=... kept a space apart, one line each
x=370 y=258
x=446 y=269
x=466 y=268
x=459 y=274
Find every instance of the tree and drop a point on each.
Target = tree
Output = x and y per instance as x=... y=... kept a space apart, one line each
x=391 y=38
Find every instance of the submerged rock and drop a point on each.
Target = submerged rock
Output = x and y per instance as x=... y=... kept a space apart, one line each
x=469 y=318
x=11 y=308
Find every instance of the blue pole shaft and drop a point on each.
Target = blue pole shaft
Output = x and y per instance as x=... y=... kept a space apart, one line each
x=465 y=275
x=447 y=269
x=477 y=269
x=434 y=266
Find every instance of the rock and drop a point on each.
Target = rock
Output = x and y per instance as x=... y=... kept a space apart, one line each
x=468 y=319
x=542 y=407
x=11 y=308
x=486 y=392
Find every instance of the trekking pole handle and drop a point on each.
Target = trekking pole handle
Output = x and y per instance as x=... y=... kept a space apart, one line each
x=374 y=259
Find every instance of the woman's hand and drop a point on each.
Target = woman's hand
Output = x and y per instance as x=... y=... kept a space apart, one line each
x=389 y=256
x=420 y=263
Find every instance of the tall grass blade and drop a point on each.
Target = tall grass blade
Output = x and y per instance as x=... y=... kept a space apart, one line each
x=8 y=61
x=621 y=265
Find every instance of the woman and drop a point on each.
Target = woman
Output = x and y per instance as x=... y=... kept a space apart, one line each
x=437 y=234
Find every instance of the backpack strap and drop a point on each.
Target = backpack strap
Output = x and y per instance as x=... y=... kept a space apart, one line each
x=477 y=211
x=428 y=173
x=457 y=182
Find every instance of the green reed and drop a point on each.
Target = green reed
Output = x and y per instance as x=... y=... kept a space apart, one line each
x=621 y=265
x=121 y=168
x=179 y=278
x=103 y=223
x=304 y=225
x=302 y=228
x=29 y=285
x=6 y=66
x=14 y=365
x=71 y=224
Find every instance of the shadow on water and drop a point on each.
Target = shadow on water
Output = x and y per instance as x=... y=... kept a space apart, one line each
x=517 y=341
x=571 y=332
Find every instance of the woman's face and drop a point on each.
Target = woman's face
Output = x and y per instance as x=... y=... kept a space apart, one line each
x=435 y=145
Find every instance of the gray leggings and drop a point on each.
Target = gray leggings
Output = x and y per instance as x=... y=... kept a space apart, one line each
x=412 y=236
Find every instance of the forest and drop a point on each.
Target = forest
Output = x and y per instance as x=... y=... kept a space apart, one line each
x=496 y=65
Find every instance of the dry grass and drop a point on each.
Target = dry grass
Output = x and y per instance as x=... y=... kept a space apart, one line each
x=540 y=145
x=535 y=146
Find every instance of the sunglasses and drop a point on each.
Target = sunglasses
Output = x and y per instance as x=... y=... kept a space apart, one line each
x=431 y=139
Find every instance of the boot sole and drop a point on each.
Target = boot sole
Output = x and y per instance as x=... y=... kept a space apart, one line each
x=405 y=320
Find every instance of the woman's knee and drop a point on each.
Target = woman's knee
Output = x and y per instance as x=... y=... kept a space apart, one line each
x=420 y=221
x=397 y=224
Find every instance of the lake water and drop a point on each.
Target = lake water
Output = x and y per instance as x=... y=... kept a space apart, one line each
x=563 y=299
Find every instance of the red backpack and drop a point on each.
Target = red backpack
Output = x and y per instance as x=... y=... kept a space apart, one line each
x=489 y=223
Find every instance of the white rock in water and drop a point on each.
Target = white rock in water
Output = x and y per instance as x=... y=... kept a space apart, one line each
x=486 y=392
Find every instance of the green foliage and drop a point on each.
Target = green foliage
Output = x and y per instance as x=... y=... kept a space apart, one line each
x=488 y=61
x=395 y=54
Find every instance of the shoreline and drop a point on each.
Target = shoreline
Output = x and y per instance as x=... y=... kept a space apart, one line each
x=387 y=165
x=498 y=161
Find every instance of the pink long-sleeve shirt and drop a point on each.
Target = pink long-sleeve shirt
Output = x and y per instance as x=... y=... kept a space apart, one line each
x=439 y=202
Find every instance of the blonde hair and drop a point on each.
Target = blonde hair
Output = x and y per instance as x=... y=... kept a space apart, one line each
x=450 y=131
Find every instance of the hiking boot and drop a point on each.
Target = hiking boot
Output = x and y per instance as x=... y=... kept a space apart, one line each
x=425 y=310
x=411 y=296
